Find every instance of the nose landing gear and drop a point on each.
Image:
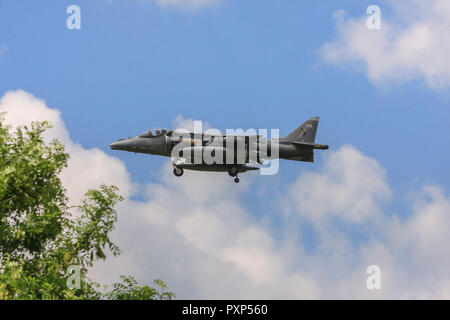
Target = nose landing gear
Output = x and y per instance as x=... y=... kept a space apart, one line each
x=236 y=180
x=178 y=172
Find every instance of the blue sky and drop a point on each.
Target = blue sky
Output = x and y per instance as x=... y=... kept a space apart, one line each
x=238 y=64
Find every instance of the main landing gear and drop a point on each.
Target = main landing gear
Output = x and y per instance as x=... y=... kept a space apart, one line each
x=233 y=172
x=178 y=172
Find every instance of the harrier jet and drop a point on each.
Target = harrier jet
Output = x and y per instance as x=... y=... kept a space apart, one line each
x=224 y=153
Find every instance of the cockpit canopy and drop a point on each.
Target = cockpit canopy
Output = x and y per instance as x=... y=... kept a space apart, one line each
x=154 y=132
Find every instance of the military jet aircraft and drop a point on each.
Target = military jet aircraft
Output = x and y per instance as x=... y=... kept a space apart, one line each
x=224 y=153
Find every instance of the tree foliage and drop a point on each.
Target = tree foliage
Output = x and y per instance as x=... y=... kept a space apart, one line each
x=41 y=237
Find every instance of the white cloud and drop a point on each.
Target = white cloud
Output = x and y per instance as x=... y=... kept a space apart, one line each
x=412 y=44
x=86 y=168
x=196 y=233
x=350 y=186
x=182 y=123
x=23 y=108
x=425 y=233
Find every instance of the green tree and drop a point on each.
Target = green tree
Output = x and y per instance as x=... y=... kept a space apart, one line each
x=40 y=236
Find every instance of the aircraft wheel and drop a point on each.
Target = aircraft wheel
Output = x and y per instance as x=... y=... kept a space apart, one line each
x=233 y=171
x=236 y=180
x=178 y=172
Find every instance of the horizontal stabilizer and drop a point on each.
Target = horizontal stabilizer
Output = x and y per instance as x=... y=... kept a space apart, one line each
x=311 y=145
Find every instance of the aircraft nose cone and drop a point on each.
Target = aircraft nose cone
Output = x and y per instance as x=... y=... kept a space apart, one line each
x=119 y=145
x=114 y=145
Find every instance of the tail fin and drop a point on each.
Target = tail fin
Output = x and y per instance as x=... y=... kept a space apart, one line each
x=305 y=133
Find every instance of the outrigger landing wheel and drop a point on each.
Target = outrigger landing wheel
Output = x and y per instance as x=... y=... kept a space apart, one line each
x=178 y=172
x=233 y=171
